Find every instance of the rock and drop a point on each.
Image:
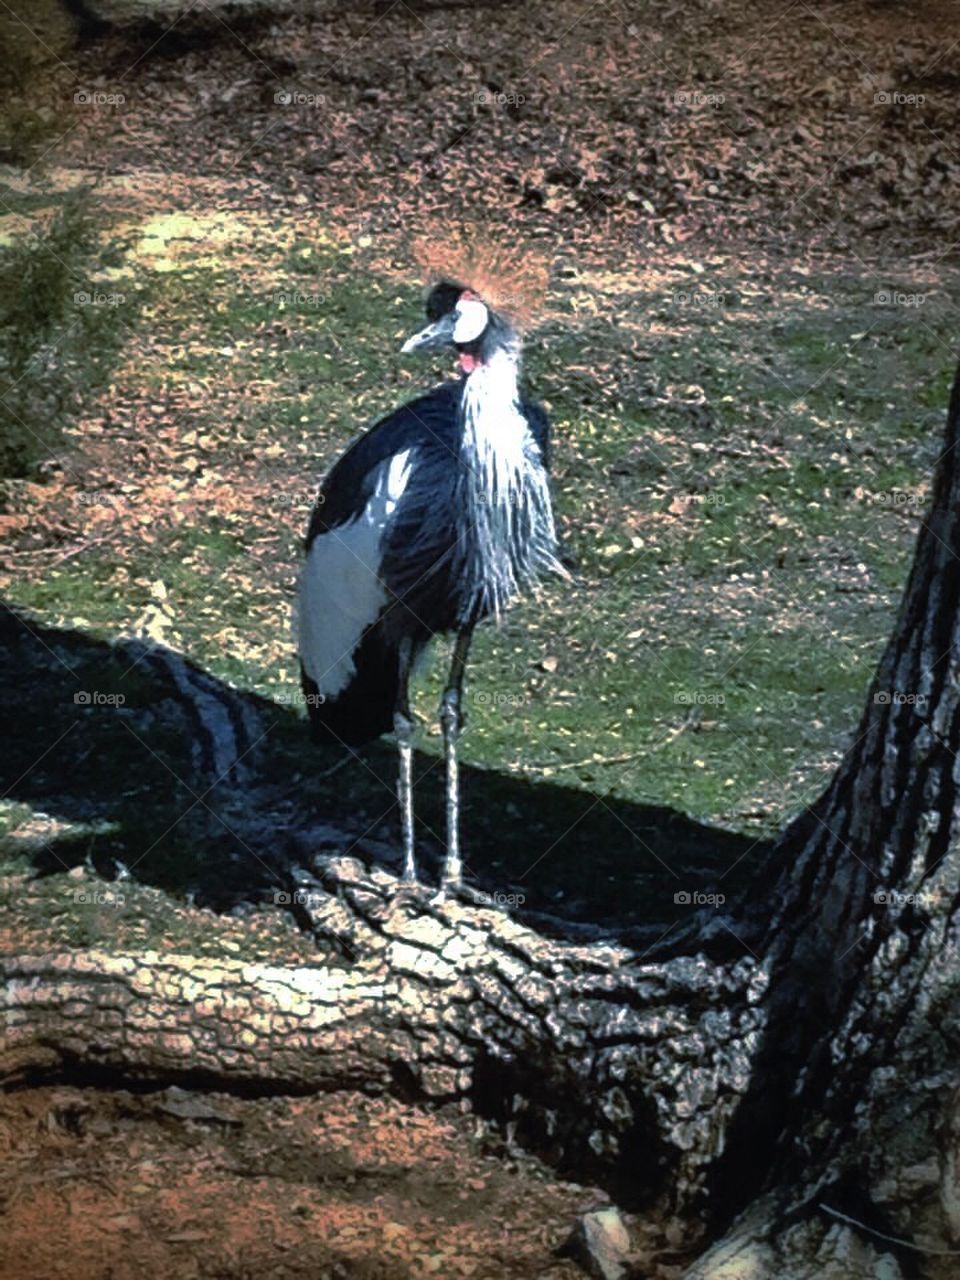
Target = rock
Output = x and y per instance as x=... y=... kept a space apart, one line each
x=600 y=1243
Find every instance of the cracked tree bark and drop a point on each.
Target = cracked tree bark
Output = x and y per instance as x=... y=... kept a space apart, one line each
x=779 y=1090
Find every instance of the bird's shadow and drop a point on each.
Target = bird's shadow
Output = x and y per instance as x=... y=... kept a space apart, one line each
x=104 y=750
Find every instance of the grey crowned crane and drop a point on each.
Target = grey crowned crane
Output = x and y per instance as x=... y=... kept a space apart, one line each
x=433 y=519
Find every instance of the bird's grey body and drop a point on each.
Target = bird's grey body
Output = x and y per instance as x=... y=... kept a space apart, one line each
x=434 y=519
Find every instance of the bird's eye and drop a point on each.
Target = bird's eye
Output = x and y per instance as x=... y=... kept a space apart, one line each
x=471 y=320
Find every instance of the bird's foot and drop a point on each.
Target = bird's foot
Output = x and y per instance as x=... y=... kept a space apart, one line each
x=408 y=890
x=451 y=886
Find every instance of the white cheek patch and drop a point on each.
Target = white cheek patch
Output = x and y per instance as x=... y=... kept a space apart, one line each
x=472 y=317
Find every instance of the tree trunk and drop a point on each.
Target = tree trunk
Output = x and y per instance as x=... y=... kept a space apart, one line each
x=782 y=1081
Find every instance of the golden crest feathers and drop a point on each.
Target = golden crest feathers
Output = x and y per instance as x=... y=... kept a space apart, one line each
x=510 y=277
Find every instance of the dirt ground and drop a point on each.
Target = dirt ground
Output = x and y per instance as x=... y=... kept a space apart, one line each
x=111 y=1184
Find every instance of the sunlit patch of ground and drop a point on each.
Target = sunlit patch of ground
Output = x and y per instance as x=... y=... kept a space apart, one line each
x=344 y=1187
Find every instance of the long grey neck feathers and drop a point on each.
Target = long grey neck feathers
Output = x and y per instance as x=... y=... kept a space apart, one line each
x=503 y=494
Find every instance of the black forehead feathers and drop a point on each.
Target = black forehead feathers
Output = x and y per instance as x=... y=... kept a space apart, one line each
x=443 y=297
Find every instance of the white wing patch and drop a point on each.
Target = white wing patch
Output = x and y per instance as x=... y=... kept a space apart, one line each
x=340 y=589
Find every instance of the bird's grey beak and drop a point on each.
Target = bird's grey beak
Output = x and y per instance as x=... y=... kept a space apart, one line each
x=439 y=334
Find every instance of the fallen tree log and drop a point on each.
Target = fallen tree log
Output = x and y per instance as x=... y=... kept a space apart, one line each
x=580 y=1049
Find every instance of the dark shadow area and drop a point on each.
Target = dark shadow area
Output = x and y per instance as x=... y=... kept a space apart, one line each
x=633 y=1183
x=158 y=37
x=104 y=742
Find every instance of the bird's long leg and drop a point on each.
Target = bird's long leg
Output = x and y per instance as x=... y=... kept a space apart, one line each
x=451 y=719
x=403 y=728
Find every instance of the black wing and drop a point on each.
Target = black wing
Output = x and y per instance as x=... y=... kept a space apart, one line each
x=430 y=419
x=539 y=423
